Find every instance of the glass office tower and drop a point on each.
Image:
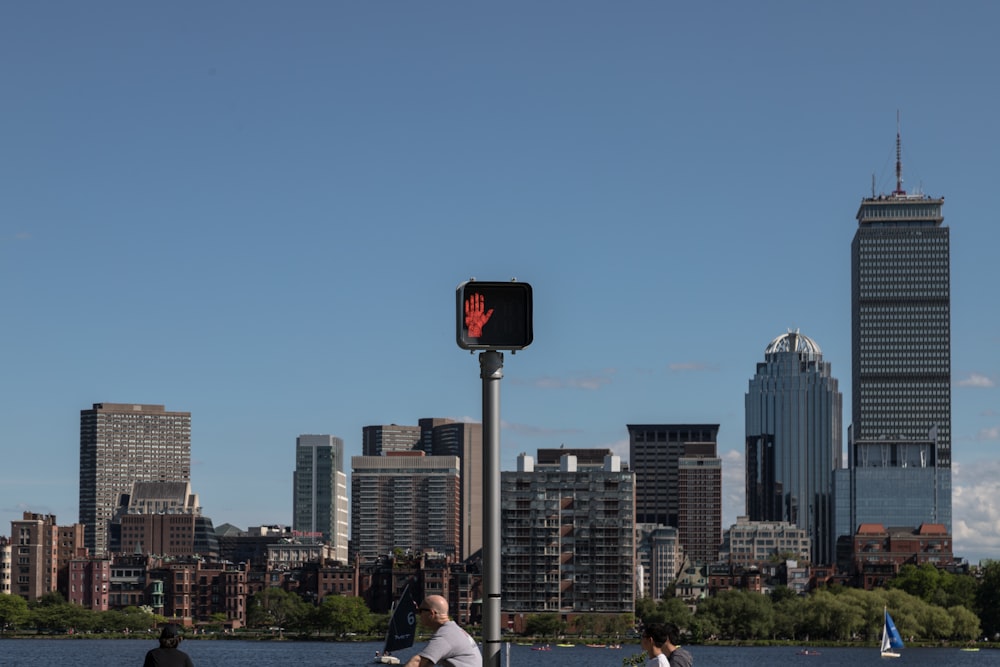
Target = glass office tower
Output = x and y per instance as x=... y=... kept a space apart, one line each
x=319 y=491
x=899 y=453
x=793 y=440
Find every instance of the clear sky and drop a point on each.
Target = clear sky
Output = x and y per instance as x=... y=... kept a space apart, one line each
x=258 y=212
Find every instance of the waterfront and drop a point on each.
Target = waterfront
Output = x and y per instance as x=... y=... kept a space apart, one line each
x=230 y=653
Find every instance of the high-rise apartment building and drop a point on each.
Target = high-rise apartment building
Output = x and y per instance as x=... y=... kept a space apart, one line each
x=438 y=436
x=793 y=440
x=567 y=538
x=405 y=501
x=655 y=453
x=319 y=491
x=901 y=361
x=464 y=440
x=121 y=444
x=699 y=516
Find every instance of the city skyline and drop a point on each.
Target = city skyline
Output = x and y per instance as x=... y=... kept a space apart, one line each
x=260 y=215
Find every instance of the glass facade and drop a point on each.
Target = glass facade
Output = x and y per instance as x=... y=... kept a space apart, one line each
x=319 y=490
x=901 y=355
x=793 y=440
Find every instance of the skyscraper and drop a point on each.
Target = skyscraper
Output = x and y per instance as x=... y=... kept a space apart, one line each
x=125 y=443
x=440 y=436
x=793 y=440
x=319 y=491
x=699 y=516
x=404 y=500
x=464 y=440
x=901 y=360
x=655 y=453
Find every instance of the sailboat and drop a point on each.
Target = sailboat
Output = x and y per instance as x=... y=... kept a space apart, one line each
x=891 y=641
x=402 y=629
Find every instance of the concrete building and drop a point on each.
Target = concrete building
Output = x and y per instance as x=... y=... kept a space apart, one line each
x=438 y=436
x=567 y=538
x=5 y=565
x=121 y=444
x=901 y=360
x=793 y=440
x=405 y=501
x=380 y=439
x=319 y=492
x=699 y=519
x=660 y=557
x=750 y=542
x=162 y=518
x=655 y=453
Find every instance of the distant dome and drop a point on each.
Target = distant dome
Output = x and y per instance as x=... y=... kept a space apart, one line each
x=793 y=341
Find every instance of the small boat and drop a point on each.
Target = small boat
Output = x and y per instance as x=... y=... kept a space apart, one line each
x=807 y=651
x=402 y=629
x=891 y=641
x=970 y=649
x=546 y=647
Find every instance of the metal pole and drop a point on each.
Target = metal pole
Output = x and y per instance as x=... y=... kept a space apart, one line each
x=491 y=372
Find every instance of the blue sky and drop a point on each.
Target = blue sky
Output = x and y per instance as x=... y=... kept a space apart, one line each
x=259 y=212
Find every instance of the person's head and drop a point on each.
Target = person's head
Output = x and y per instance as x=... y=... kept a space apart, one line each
x=653 y=637
x=433 y=611
x=170 y=635
x=673 y=636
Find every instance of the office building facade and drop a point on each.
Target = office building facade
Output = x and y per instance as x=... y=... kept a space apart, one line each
x=901 y=359
x=655 y=453
x=121 y=444
x=793 y=440
x=319 y=491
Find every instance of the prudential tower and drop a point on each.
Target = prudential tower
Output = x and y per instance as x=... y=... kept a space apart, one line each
x=793 y=440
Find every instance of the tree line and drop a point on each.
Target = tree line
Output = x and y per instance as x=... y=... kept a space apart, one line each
x=927 y=604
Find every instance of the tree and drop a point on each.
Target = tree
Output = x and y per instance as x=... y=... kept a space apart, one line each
x=275 y=607
x=988 y=598
x=966 y=624
x=740 y=614
x=13 y=612
x=544 y=625
x=341 y=614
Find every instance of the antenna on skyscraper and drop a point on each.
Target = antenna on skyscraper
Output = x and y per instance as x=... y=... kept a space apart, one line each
x=899 y=160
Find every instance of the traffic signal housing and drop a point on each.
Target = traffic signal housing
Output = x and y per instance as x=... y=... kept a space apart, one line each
x=494 y=315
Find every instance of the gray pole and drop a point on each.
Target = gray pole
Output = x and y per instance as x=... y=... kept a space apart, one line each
x=491 y=372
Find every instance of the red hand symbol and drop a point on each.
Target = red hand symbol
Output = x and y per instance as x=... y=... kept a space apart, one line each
x=475 y=318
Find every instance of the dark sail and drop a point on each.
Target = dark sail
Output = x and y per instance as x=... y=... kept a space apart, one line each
x=402 y=623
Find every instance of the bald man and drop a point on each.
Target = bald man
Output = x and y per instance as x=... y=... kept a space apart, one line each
x=450 y=645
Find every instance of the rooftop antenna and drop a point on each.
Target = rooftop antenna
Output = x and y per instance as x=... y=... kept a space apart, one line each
x=899 y=160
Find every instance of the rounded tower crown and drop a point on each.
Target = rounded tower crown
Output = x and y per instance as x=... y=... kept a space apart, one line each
x=793 y=341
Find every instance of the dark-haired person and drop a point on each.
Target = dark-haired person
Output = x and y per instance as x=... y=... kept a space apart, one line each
x=449 y=645
x=168 y=655
x=654 y=636
x=676 y=656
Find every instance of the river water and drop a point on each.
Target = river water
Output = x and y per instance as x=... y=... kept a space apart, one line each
x=235 y=653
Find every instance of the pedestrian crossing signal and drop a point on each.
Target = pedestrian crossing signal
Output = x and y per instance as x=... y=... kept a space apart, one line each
x=494 y=315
